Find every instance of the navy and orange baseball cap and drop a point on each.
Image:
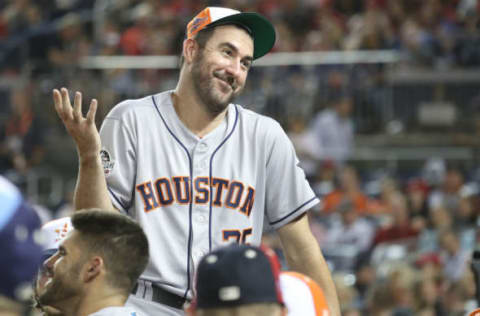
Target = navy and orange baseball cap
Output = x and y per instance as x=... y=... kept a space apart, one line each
x=258 y=26
x=237 y=275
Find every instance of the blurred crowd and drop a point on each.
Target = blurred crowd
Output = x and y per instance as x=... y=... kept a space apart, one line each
x=439 y=33
x=398 y=244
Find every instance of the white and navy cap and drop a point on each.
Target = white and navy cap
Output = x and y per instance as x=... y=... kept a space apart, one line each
x=54 y=233
x=20 y=243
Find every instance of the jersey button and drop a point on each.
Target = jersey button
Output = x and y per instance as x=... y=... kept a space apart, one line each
x=201 y=218
x=198 y=254
x=202 y=147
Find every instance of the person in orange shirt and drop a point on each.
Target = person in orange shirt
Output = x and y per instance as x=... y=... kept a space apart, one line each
x=348 y=187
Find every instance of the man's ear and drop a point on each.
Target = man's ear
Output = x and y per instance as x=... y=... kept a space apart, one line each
x=190 y=49
x=93 y=269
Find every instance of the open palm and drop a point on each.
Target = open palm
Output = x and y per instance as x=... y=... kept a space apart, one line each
x=82 y=129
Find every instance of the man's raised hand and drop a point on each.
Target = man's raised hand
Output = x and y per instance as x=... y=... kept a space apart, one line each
x=82 y=129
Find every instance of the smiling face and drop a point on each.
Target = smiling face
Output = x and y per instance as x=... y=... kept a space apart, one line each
x=220 y=69
x=61 y=276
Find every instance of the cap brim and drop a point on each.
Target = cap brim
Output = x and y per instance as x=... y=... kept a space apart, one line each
x=262 y=30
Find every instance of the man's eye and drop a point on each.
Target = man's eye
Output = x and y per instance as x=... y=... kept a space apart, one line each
x=227 y=52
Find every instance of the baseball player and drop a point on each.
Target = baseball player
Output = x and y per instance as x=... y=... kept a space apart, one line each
x=240 y=280
x=196 y=170
x=246 y=280
x=92 y=271
x=54 y=232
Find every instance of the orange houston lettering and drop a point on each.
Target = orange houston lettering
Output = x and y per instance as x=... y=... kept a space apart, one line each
x=224 y=193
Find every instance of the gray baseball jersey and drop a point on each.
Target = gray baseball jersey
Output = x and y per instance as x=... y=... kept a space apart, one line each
x=116 y=311
x=194 y=194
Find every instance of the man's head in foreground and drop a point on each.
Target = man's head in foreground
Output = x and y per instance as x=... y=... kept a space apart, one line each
x=237 y=280
x=94 y=260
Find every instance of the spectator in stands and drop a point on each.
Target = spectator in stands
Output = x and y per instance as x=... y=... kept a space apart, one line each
x=400 y=282
x=427 y=297
x=380 y=204
x=439 y=220
x=327 y=28
x=302 y=140
x=347 y=294
x=348 y=187
x=401 y=229
x=324 y=181
x=22 y=137
x=349 y=233
x=370 y=29
x=364 y=280
x=417 y=194
x=450 y=191
x=70 y=44
x=333 y=130
x=454 y=258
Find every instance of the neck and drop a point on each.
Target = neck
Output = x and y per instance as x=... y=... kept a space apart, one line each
x=93 y=302
x=193 y=113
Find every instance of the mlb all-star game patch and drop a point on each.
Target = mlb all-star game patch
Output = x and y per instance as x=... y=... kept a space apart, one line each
x=107 y=162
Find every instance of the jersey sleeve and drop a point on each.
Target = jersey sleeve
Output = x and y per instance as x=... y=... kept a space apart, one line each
x=119 y=157
x=288 y=193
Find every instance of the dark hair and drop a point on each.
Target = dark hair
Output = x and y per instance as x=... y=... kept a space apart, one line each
x=201 y=38
x=119 y=240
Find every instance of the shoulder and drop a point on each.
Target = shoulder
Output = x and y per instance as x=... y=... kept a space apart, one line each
x=130 y=107
x=140 y=107
x=258 y=123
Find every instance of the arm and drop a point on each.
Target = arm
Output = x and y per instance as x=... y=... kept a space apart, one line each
x=303 y=255
x=91 y=189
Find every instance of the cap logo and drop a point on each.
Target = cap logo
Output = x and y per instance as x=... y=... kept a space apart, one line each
x=61 y=233
x=199 y=22
x=211 y=259
x=250 y=254
x=230 y=293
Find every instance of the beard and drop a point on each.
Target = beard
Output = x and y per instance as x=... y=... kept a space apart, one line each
x=205 y=87
x=62 y=286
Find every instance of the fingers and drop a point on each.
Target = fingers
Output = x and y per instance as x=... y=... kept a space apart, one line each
x=66 y=106
x=57 y=99
x=92 y=111
x=67 y=112
x=77 y=107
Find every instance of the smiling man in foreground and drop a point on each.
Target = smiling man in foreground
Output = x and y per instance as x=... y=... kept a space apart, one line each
x=92 y=271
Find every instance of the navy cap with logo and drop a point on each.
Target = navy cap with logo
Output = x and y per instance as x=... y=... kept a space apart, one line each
x=20 y=243
x=237 y=275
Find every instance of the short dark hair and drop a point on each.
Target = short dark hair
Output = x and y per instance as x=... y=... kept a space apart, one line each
x=119 y=240
x=201 y=38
